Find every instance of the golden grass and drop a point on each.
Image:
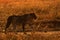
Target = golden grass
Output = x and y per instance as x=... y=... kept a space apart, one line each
x=31 y=36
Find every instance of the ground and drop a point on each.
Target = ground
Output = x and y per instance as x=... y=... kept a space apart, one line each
x=54 y=35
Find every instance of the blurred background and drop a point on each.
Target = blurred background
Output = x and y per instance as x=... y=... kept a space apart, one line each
x=45 y=10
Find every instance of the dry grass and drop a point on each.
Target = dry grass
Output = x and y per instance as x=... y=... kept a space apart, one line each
x=31 y=36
